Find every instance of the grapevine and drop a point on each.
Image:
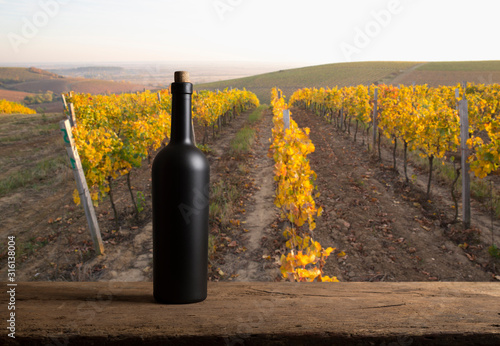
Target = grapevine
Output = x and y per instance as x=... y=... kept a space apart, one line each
x=115 y=133
x=294 y=196
x=425 y=119
x=8 y=107
x=211 y=109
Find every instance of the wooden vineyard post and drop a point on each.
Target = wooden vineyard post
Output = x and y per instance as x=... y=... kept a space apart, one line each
x=286 y=119
x=375 y=121
x=64 y=102
x=219 y=119
x=341 y=116
x=159 y=97
x=82 y=187
x=71 y=116
x=464 y=136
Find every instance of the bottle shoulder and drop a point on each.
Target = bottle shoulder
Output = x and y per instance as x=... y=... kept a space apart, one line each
x=180 y=154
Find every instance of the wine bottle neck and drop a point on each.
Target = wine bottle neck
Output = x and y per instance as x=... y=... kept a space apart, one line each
x=181 y=130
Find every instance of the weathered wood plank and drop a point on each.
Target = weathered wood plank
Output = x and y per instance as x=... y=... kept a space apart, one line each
x=409 y=313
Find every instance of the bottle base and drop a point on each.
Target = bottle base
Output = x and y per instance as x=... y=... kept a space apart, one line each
x=161 y=300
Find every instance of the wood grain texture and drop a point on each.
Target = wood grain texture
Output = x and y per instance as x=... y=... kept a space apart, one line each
x=411 y=313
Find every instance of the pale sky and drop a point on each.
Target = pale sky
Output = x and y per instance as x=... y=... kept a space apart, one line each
x=308 y=32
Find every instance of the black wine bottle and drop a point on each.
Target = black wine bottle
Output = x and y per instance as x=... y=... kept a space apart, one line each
x=180 y=182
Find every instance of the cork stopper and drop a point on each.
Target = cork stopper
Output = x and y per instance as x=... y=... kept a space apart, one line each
x=181 y=77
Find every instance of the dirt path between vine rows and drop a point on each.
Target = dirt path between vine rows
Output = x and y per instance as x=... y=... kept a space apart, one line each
x=256 y=262
x=132 y=260
x=387 y=229
x=56 y=244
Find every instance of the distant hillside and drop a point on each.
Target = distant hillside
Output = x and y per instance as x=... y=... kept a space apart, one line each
x=343 y=74
x=15 y=96
x=86 y=69
x=14 y=75
x=452 y=73
x=315 y=76
x=80 y=85
x=98 y=72
x=34 y=80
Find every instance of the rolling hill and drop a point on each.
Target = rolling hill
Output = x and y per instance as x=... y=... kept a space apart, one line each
x=452 y=73
x=16 y=81
x=344 y=74
x=13 y=75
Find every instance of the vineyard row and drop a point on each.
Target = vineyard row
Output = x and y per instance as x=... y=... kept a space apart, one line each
x=115 y=133
x=424 y=119
x=295 y=193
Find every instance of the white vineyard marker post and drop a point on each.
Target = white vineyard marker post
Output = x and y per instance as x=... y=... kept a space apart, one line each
x=71 y=115
x=375 y=121
x=82 y=187
x=286 y=119
x=464 y=136
x=64 y=102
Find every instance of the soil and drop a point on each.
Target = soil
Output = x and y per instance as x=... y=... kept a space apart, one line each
x=52 y=238
x=15 y=96
x=250 y=260
x=51 y=232
x=388 y=230
x=382 y=228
